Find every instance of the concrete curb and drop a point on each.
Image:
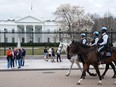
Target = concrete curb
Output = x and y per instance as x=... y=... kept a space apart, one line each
x=45 y=69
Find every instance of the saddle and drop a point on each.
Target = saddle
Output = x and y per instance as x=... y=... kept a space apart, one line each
x=106 y=53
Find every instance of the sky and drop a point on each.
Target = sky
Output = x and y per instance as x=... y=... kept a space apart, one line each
x=43 y=9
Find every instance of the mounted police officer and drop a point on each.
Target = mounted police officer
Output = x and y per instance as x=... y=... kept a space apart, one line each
x=103 y=42
x=83 y=38
x=82 y=41
x=95 y=39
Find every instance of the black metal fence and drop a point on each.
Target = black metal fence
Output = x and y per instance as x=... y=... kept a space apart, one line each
x=33 y=48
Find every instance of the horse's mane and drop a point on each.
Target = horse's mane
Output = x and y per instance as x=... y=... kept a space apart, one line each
x=83 y=45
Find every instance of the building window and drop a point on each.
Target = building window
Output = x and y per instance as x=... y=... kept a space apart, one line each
x=48 y=40
x=39 y=30
x=13 y=40
x=55 y=39
x=22 y=30
x=23 y=40
x=55 y=30
x=5 y=30
x=6 y=39
x=38 y=40
x=48 y=30
x=13 y=30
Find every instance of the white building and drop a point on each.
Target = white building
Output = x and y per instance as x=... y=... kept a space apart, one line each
x=31 y=26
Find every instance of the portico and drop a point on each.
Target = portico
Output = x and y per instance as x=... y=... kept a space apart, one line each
x=29 y=30
x=31 y=33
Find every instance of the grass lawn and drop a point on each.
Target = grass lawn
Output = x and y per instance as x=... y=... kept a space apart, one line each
x=37 y=50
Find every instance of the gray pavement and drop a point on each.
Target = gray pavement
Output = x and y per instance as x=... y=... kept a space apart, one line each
x=38 y=63
x=52 y=78
x=40 y=73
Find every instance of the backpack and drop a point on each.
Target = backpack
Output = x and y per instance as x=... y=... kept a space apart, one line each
x=9 y=53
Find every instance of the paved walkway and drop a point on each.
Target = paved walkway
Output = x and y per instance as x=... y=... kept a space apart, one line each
x=40 y=64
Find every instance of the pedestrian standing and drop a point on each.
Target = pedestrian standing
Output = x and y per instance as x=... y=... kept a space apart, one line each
x=53 y=55
x=12 y=58
x=8 y=57
x=45 y=54
x=19 y=57
x=58 y=55
x=15 y=57
x=50 y=52
x=23 y=56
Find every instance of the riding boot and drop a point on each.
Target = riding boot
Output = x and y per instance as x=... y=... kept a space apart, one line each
x=99 y=57
x=80 y=58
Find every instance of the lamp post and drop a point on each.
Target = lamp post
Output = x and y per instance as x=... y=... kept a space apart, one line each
x=86 y=33
x=111 y=35
x=32 y=43
x=59 y=34
x=4 y=41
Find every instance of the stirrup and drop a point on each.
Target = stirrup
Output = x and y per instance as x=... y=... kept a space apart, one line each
x=100 y=62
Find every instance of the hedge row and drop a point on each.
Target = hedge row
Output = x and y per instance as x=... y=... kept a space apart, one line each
x=29 y=44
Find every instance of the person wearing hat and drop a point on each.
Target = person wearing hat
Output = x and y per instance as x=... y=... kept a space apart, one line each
x=82 y=41
x=83 y=38
x=103 y=42
x=95 y=39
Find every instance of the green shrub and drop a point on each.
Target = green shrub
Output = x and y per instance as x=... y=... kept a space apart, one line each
x=29 y=44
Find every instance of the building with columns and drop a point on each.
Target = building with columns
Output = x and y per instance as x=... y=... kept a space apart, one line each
x=27 y=29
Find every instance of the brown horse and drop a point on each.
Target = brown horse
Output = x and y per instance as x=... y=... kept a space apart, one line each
x=90 y=57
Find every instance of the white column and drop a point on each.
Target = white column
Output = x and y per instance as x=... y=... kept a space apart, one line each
x=16 y=35
x=34 y=35
x=43 y=36
x=25 y=34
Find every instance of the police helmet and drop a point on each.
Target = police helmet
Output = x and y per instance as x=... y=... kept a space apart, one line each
x=96 y=33
x=104 y=28
x=83 y=34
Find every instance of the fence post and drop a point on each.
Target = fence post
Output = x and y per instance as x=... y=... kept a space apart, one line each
x=86 y=33
x=111 y=35
x=32 y=43
x=60 y=35
x=4 y=41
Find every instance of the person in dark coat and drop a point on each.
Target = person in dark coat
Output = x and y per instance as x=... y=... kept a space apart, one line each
x=19 y=57
x=23 y=56
x=53 y=55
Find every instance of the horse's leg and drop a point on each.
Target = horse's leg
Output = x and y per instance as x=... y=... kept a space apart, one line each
x=98 y=72
x=78 y=64
x=85 y=67
x=106 y=69
x=91 y=74
x=68 y=73
x=113 y=67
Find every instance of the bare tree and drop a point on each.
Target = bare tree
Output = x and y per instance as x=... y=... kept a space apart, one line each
x=72 y=19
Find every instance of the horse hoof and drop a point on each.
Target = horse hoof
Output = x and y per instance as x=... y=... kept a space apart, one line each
x=78 y=83
x=67 y=74
x=99 y=83
x=115 y=83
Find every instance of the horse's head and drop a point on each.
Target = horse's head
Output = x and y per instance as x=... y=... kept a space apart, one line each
x=72 y=50
x=60 y=45
x=63 y=47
